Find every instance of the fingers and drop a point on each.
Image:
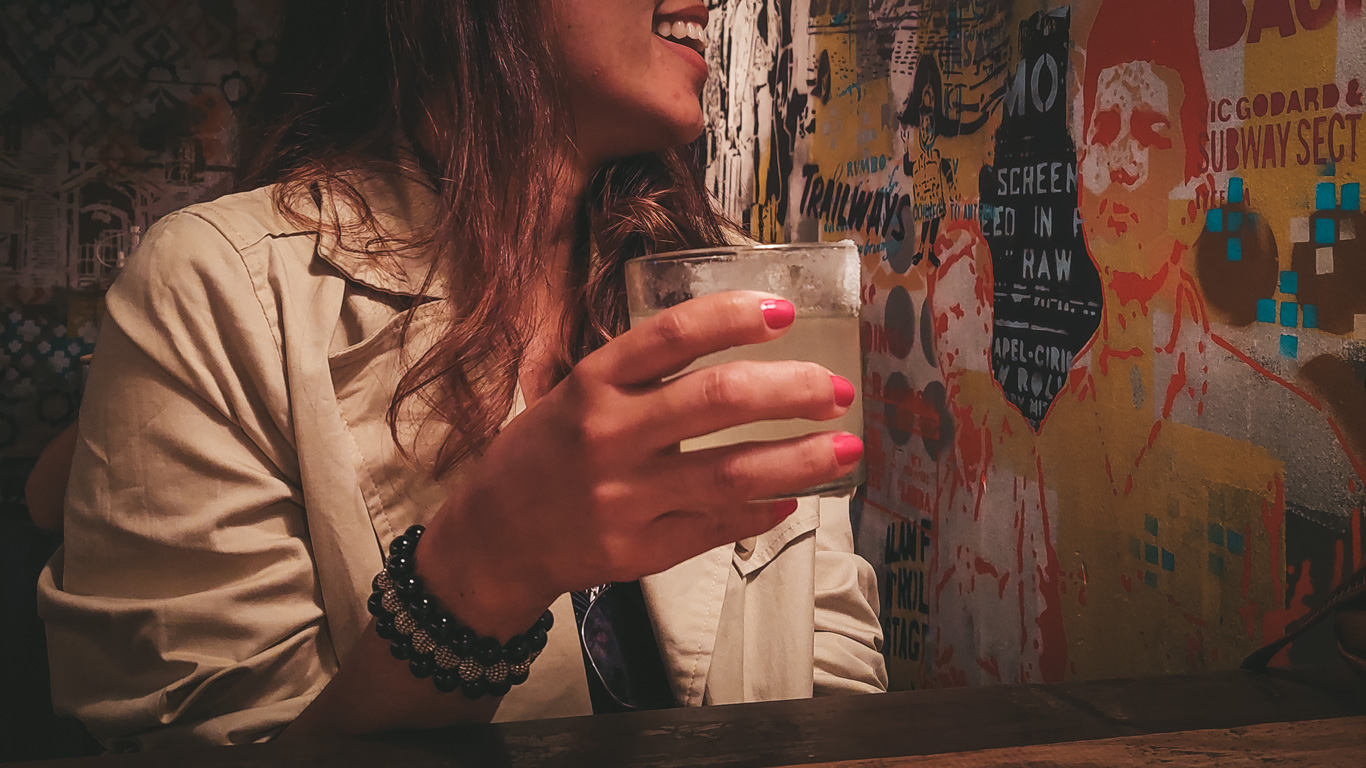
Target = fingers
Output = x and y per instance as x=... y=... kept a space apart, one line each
x=727 y=395
x=696 y=531
x=670 y=341
x=758 y=470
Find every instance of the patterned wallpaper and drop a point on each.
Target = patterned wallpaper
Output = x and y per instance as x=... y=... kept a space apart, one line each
x=113 y=113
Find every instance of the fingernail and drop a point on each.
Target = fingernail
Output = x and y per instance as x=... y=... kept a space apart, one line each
x=781 y=509
x=778 y=313
x=848 y=449
x=844 y=391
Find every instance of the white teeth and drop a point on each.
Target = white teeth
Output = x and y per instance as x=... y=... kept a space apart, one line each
x=688 y=32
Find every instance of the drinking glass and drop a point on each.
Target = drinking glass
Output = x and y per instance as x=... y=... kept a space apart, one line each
x=822 y=282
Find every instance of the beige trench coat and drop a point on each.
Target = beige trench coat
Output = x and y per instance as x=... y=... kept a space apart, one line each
x=235 y=479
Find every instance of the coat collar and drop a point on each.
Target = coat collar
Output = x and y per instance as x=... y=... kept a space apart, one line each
x=382 y=253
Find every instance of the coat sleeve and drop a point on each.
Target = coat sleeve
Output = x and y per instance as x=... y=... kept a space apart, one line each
x=183 y=605
x=848 y=648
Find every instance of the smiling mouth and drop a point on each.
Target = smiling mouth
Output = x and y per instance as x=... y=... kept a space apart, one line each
x=686 y=33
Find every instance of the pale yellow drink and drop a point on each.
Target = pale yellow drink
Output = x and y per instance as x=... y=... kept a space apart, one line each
x=828 y=341
x=821 y=280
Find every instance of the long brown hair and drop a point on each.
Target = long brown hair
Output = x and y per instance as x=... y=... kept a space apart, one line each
x=470 y=88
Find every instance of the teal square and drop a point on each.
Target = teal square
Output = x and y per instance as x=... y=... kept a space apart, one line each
x=1168 y=561
x=1214 y=220
x=1311 y=316
x=1216 y=564
x=1235 y=221
x=1235 y=190
x=1150 y=553
x=1235 y=249
x=1150 y=524
x=1351 y=196
x=1325 y=231
x=1266 y=310
x=1290 y=314
x=1290 y=282
x=1135 y=548
x=1235 y=542
x=1150 y=579
x=1326 y=196
x=1216 y=534
x=1290 y=346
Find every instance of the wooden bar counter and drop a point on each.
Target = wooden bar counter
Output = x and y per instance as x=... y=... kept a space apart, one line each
x=1233 y=718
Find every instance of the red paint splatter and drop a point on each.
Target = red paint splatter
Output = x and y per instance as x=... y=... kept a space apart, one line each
x=1126 y=583
x=944 y=581
x=1152 y=438
x=1121 y=354
x=1128 y=485
x=1178 y=381
x=1275 y=621
x=1133 y=287
x=984 y=567
x=990 y=667
x=1001 y=586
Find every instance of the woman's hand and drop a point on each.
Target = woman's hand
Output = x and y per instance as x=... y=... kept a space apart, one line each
x=588 y=485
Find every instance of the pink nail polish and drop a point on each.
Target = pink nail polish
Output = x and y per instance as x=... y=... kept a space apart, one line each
x=844 y=391
x=778 y=313
x=848 y=449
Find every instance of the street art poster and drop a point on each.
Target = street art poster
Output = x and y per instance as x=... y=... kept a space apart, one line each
x=1114 y=318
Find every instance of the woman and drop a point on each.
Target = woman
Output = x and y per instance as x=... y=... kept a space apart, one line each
x=410 y=326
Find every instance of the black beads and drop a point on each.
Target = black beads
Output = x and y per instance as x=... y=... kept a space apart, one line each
x=463 y=641
x=517 y=650
x=400 y=566
x=442 y=626
x=407 y=586
x=421 y=607
x=421 y=666
x=434 y=643
x=446 y=680
x=488 y=651
x=384 y=627
x=401 y=547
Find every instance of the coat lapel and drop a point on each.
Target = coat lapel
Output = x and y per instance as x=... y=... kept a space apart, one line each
x=685 y=607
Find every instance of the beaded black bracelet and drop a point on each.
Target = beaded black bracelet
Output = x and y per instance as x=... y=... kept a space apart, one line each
x=438 y=646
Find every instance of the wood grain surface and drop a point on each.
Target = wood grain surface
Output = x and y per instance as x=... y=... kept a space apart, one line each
x=887 y=727
x=1336 y=743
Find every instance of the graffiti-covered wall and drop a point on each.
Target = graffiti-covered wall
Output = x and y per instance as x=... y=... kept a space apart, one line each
x=1115 y=310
